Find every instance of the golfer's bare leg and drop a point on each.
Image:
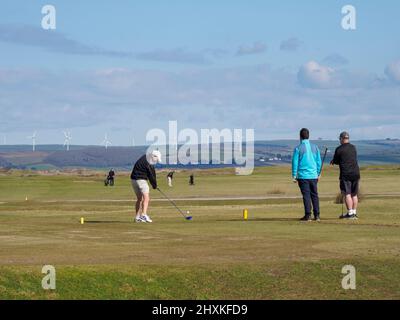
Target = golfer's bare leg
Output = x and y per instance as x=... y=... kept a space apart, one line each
x=349 y=202
x=355 y=202
x=138 y=206
x=146 y=200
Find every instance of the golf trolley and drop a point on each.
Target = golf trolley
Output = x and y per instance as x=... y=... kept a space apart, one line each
x=109 y=182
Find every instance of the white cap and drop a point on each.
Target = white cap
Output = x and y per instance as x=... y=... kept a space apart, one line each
x=154 y=157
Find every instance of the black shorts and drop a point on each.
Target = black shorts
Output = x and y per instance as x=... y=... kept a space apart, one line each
x=350 y=187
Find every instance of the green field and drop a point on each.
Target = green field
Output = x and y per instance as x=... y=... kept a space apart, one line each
x=215 y=256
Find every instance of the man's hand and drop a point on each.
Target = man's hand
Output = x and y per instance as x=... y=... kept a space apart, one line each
x=294 y=180
x=319 y=178
x=331 y=163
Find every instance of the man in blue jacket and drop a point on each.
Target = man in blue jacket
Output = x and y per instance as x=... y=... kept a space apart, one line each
x=306 y=170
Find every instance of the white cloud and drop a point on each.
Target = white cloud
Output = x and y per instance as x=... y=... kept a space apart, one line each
x=255 y=48
x=314 y=75
x=176 y=55
x=392 y=71
x=52 y=41
x=291 y=44
x=267 y=99
x=335 y=59
x=58 y=42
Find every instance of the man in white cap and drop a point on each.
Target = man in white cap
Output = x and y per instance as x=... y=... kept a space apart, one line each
x=142 y=172
x=346 y=158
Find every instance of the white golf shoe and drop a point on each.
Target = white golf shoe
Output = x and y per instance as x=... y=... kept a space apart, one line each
x=146 y=218
x=139 y=219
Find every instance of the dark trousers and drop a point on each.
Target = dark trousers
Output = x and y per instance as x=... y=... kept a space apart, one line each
x=309 y=190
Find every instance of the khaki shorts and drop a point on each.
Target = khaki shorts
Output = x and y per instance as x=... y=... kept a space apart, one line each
x=140 y=187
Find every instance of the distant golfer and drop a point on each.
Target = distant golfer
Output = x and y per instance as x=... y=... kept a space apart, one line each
x=191 y=180
x=346 y=157
x=110 y=178
x=306 y=169
x=170 y=176
x=142 y=172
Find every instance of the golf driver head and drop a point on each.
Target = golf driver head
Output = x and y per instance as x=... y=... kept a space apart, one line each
x=189 y=218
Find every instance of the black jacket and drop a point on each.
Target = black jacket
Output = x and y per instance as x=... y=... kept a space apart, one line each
x=346 y=158
x=143 y=170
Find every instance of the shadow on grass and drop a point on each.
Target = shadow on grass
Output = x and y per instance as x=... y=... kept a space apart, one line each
x=105 y=221
x=275 y=220
x=261 y=220
x=324 y=221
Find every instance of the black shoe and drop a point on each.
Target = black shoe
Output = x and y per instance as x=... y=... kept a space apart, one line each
x=348 y=216
x=306 y=218
x=317 y=218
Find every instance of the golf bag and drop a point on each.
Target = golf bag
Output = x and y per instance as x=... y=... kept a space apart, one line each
x=109 y=181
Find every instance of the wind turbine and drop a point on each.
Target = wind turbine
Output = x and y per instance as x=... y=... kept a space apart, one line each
x=106 y=142
x=33 y=138
x=68 y=138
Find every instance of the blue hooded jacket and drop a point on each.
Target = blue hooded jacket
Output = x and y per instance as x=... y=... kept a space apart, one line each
x=306 y=161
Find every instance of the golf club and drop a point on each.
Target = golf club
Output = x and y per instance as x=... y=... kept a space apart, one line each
x=174 y=204
x=187 y=217
x=323 y=159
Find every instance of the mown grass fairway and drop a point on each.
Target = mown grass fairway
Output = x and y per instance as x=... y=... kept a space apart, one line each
x=217 y=255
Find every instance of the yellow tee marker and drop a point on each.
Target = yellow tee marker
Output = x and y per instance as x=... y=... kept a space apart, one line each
x=245 y=214
x=82 y=220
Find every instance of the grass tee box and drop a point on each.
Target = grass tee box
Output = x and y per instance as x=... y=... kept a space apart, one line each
x=216 y=256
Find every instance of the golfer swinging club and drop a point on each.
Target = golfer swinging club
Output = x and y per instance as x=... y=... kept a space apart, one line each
x=306 y=170
x=346 y=157
x=143 y=171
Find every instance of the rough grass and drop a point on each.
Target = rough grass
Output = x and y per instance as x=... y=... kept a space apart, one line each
x=297 y=280
x=276 y=191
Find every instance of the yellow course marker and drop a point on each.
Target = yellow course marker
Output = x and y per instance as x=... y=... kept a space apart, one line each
x=245 y=214
x=82 y=220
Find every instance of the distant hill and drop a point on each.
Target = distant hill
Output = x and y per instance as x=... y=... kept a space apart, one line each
x=369 y=151
x=266 y=153
x=95 y=157
x=4 y=163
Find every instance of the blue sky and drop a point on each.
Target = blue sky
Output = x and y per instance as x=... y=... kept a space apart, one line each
x=125 y=68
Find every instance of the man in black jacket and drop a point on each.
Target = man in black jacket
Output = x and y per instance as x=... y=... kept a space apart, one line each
x=142 y=172
x=346 y=158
